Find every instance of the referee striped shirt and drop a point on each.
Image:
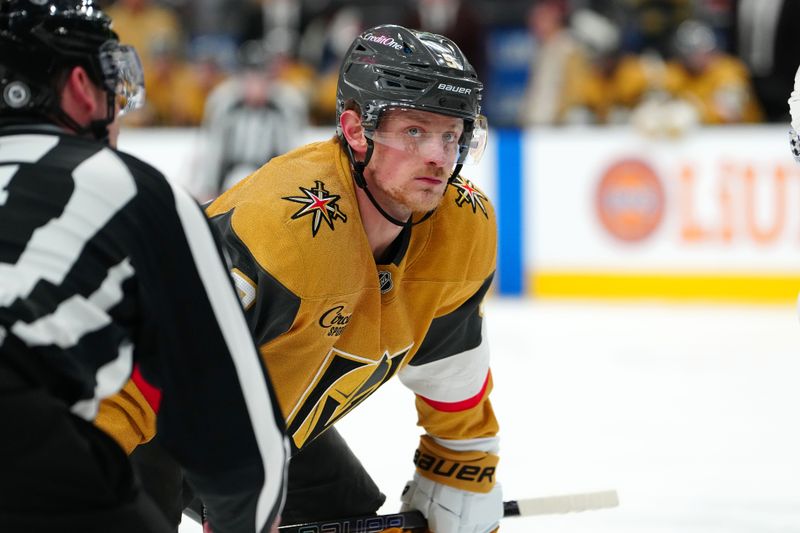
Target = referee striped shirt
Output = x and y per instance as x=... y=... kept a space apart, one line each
x=104 y=264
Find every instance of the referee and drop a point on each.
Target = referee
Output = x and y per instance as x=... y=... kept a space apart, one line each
x=104 y=266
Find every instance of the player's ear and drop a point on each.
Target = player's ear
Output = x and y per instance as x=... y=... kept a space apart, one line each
x=353 y=131
x=79 y=93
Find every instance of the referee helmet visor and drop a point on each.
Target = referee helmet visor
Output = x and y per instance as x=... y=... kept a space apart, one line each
x=123 y=75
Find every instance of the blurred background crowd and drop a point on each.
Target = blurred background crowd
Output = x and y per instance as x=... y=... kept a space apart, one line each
x=661 y=63
x=544 y=62
x=255 y=73
x=709 y=189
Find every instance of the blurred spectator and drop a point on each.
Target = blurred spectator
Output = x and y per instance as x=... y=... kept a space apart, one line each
x=323 y=45
x=457 y=20
x=616 y=82
x=145 y=25
x=559 y=65
x=597 y=100
x=156 y=34
x=176 y=89
x=649 y=25
x=716 y=83
x=277 y=22
x=211 y=17
x=210 y=60
x=249 y=118
x=166 y=66
x=765 y=38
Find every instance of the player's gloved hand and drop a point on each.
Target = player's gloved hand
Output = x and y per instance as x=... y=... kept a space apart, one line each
x=451 y=510
x=455 y=490
x=794 y=110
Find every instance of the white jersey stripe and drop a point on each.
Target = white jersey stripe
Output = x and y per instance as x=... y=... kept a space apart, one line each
x=74 y=318
x=77 y=316
x=54 y=247
x=6 y=173
x=110 y=378
x=110 y=291
x=452 y=379
x=227 y=310
x=26 y=148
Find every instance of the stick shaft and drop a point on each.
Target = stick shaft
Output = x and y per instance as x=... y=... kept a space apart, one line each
x=567 y=503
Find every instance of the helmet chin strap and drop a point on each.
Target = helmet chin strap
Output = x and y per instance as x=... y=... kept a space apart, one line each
x=97 y=129
x=358 y=174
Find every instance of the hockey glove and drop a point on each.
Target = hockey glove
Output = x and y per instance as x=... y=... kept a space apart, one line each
x=455 y=490
x=794 y=110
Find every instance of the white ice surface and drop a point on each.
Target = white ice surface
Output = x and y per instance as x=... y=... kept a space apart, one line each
x=689 y=411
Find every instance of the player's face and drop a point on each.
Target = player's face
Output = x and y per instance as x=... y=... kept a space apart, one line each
x=415 y=153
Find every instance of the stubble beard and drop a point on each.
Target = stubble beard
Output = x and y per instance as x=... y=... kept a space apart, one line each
x=415 y=199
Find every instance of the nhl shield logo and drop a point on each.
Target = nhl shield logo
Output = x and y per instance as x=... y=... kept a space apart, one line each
x=385 y=281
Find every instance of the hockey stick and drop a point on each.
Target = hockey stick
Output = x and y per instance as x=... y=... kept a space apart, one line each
x=567 y=503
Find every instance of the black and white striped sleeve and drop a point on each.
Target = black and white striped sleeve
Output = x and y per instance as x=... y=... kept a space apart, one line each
x=218 y=414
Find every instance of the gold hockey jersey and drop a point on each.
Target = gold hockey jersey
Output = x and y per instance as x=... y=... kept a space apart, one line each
x=332 y=325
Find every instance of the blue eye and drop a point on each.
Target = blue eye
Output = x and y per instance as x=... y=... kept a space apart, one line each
x=449 y=137
x=414 y=132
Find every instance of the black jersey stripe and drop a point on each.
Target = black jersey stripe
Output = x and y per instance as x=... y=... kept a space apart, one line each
x=455 y=332
x=109 y=378
x=275 y=306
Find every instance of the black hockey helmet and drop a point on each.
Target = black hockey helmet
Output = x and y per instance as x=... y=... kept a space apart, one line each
x=40 y=39
x=391 y=66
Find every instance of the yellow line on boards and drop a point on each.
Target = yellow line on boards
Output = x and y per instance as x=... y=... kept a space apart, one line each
x=751 y=288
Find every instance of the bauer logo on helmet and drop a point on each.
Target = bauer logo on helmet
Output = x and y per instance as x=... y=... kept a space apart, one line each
x=454 y=88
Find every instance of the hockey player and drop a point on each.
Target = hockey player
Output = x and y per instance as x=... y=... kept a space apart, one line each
x=369 y=255
x=104 y=265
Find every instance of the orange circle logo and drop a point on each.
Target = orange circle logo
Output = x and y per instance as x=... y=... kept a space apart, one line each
x=630 y=200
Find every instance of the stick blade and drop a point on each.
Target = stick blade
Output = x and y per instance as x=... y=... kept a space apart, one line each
x=568 y=503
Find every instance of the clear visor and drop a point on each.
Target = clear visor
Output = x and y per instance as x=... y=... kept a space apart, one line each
x=477 y=141
x=432 y=136
x=124 y=76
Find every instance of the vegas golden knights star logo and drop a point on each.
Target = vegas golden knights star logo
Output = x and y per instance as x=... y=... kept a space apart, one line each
x=320 y=205
x=470 y=195
x=343 y=382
